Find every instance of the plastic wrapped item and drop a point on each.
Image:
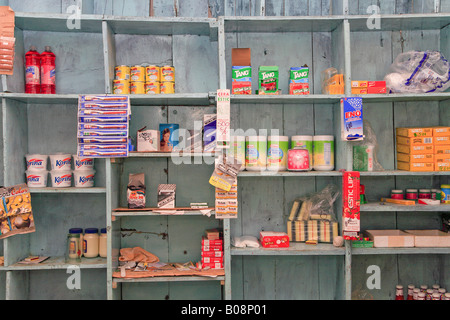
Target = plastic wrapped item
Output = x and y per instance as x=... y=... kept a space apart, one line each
x=332 y=81
x=418 y=72
x=245 y=241
x=365 y=151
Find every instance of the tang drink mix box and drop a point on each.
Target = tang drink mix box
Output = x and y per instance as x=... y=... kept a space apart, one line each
x=241 y=80
x=299 y=80
x=268 y=79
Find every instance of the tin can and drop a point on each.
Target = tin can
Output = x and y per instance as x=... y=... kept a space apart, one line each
x=424 y=194
x=137 y=73
x=397 y=194
x=167 y=74
x=152 y=74
x=167 y=87
x=411 y=194
x=121 y=87
x=137 y=87
x=152 y=88
x=445 y=194
x=122 y=73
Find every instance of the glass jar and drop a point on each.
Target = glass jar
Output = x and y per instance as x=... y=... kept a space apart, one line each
x=74 y=244
x=102 y=250
x=90 y=243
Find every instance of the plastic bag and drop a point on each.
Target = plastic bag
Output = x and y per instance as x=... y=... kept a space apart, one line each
x=418 y=72
x=365 y=151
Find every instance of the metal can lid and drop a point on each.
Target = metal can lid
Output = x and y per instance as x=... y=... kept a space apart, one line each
x=411 y=190
x=397 y=191
x=424 y=190
x=445 y=186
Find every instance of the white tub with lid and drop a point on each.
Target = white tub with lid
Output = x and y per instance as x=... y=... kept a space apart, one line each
x=83 y=178
x=36 y=161
x=61 y=161
x=61 y=179
x=83 y=163
x=37 y=178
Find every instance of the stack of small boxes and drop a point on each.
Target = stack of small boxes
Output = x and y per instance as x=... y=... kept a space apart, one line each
x=423 y=149
x=212 y=249
x=368 y=87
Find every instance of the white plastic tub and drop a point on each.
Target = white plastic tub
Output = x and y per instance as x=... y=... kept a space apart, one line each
x=61 y=162
x=36 y=161
x=36 y=178
x=83 y=163
x=61 y=178
x=84 y=178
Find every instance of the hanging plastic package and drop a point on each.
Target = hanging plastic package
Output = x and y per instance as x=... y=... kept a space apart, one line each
x=418 y=72
x=365 y=152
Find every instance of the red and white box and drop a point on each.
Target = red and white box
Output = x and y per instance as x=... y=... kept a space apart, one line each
x=272 y=239
x=211 y=248
x=351 y=205
x=214 y=242
x=212 y=254
x=375 y=87
x=214 y=265
x=212 y=260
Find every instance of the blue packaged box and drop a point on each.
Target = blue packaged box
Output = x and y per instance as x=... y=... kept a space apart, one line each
x=352 y=119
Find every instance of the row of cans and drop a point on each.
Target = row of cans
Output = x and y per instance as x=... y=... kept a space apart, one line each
x=140 y=87
x=145 y=73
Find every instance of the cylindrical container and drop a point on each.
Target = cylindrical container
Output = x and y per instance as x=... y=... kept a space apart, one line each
x=169 y=135
x=298 y=160
x=84 y=178
x=61 y=178
x=323 y=151
x=102 y=249
x=83 y=163
x=137 y=73
x=304 y=142
x=74 y=244
x=442 y=292
x=397 y=194
x=256 y=153
x=429 y=294
x=277 y=153
x=424 y=194
x=167 y=87
x=446 y=296
x=137 y=87
x=122 y=73
x=152 y=74
x=445 y=193
x=90 y=243
x=121 y=87
x=416 y=293
x=399 y=292
x=436 y=194
x=423 y=288
x=411 y=194
x=48 y=71
x=36 y=161
x=167 y=74
x=32 y=71
x=61 y=161
x=237 y=149
x=152 y=88
x=421 y=296
x=410 y=292
x=36 y=178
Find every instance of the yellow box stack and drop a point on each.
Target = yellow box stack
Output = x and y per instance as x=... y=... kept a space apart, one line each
x=423 y=148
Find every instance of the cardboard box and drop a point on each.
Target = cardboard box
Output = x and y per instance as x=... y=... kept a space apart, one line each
x=241 y=65
x=376 y=90
x=211 y=248
x=212 y=234
x=213 y=265
x=215 y=254
x=268 y=79
x=166 y=195
x=441 y=140
x=148 y=140
x=442 y=157
x=414 y=132
x=376 y=84
x=214 y=242
x=299 y=80
x=440 y=131
x=415 y=166
x=352 y=119
x=359 y=91
x=351 y=205
x=442 y=166
x=209 y=132
x=442 y=150
x=430 y=238
x=360 y=84
x=425 y=158
x=272 y=239
x=390 y=238
x=414 y=141
x=423 y=149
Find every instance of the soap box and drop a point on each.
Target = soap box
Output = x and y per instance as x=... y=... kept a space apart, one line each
x=166 y=195
x=271 y=239
x=148 y=140
x=352 y=119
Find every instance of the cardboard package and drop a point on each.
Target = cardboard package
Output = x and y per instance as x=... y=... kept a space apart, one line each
x=272 y=239
x=430 y=238
x=241 y=63
x=415 y=166
x=390 y=238
x=351 y=205
x=147 y=140
x=166 y=195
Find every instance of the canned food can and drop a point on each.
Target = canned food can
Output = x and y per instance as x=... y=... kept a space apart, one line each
x=167 y=87
x=152 y=88
x=137 y=87
x=138 y=73
x=121 y=87
x=122 y=73
x=167 y=74
x=152 y=74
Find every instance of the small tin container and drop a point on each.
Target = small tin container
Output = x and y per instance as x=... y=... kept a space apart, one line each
x=424 y=194
x=298 y=160
x=121 y=87
x=152 y=88
x=152 y=74
x=436 y=194
x=411 y=194
x=137 y=73
x=167 y=74
x=397 y=194
x=137 y=87
x=122 y=73
x=167 y=87
x=445 y=194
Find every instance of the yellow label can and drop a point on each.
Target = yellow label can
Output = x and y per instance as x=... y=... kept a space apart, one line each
x=152 y=87
x=137 y=87
x=137 y=73
x=167 y=74
x=167 y=87
x=121 y=87
x=122 y=73
x=152 y=74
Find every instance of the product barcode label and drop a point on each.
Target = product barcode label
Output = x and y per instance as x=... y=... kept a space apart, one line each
x=427 y=140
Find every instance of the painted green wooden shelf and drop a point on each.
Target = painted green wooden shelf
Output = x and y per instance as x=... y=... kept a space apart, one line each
x=295 y=249
x=174 y=154
x=402 y=173
x=60 y=263
x=285 y=99
x=244 y=174
x=404 y=97
x=169 y=279
x=413 y=250
x=150 y=213
x=68 y=190
x=389 y=207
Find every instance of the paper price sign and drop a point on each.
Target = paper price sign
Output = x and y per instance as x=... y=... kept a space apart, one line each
x=223 y=118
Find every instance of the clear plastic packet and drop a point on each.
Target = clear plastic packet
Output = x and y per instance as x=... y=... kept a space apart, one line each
x=365 y=151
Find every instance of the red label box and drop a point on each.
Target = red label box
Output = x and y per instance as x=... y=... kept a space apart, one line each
x=270 y=239
x=351 y=205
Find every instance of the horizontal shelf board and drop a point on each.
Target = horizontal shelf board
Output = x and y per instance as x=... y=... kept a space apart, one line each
x=169 y=279
x=380 y=207
x=285 y=99
x=161 y=25
x=295 y=249
x=404 y=22
x=135 y=154
x=124 y=212
x=312 y=173
x=282 y=24
x=403 y=173
x=404 y=97
x=57 y=22
x=60 y=263
x=414 y=250
x=68 y=190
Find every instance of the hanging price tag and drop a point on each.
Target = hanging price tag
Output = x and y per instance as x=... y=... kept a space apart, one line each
x=223 y=119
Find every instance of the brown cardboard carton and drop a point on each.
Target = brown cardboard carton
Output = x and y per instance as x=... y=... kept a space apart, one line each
x=430 y=238
x=441 y=140
x=414 y=132
x=390 y=238
x=415 y=166
x=421 y=149
x=414 y=141
x=406 y=157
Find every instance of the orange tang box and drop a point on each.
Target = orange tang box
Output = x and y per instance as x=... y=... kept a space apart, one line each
x=351 y=205
x=271 y=239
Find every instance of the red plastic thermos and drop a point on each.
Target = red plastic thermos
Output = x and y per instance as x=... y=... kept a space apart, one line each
x=48 y=71
x=32 y=71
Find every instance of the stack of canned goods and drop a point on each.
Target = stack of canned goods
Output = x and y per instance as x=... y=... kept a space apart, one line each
x=148 y=79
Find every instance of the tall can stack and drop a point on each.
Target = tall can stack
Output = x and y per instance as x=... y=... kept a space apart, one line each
x=144 y=79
